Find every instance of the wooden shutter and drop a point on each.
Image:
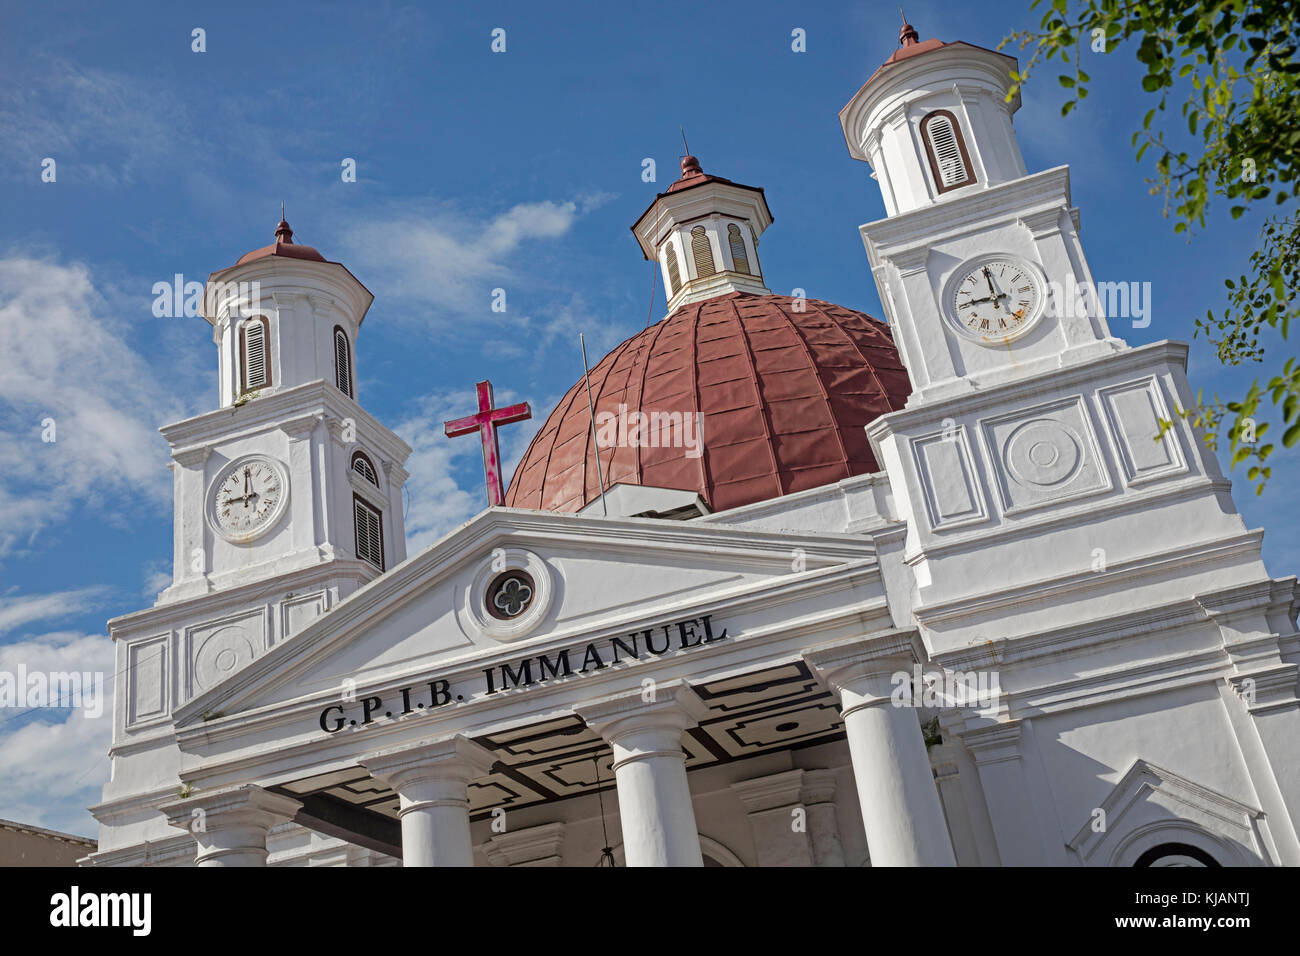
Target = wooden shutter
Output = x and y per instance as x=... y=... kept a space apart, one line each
x=674 y=272
x=257 y=364
x=342 y=362
x=702 y=252
x=948 y=160
x=369 y=532
x=362 y=466
x=739 y=258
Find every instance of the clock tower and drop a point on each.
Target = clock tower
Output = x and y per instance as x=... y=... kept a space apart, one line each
x=288 y=497
x=979 y=264
x=1029 y=462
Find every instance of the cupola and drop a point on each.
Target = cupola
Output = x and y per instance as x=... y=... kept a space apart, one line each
x=704 y=233
x=283 y=315
x=934 y=122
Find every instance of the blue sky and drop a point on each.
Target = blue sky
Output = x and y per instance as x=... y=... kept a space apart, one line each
x=519 y=170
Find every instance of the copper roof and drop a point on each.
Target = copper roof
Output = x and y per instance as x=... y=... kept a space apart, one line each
x=283 y=246
x=785 y=396
x=693 y=175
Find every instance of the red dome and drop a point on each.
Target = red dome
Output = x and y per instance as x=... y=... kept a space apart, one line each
x=784 y=397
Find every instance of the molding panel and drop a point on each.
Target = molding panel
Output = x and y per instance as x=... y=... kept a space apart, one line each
x=147 y=680
x=1133 y=412
x=1044 y=455
x=945 y=470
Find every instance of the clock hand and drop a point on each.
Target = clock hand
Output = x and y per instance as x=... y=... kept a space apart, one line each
x=992 y=298
x=988 y=277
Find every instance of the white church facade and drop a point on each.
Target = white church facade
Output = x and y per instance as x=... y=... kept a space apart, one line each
x=937 y=592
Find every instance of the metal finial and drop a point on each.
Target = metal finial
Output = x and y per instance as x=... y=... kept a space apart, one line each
x=684 y=146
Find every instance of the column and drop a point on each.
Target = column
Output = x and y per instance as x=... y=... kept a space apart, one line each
x=432 y=783
x=777 y=818
x=230 y=826
x=901 y=814
x=823 y=822
x=644 y=728
x=534 y=846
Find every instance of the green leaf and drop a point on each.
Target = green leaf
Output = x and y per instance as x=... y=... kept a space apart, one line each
x=1291 y=435
x=1066 y=81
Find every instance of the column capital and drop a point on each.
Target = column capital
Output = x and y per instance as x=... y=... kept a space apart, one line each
x=818 y=787
x=453 y=759
x=993 y=743
x=844 y=664
x=535 y=846
x=230 y=825
x=776 y=791
x=675 y=706
x=193 y=456
x=238 y=806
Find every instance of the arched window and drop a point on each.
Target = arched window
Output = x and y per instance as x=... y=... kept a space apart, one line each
x=342 y=362
x=1176 y=854
x=946 y=150
x=674 y=272
x=702 y=252
x=363 y=467
x=255 y=354
x=739 y=258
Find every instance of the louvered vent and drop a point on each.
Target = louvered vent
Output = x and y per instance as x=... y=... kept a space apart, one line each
x=361 y=465
x=370 y=541
x=674 y=273
x=255 y=363
x=946 y=151
x=702 y=252
x=342 y=363
x=738 y=257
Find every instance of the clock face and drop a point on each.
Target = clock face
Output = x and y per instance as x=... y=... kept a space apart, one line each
x=248 y=498
x=995 y=298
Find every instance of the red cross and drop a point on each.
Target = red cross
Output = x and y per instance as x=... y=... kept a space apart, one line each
x=486 y=423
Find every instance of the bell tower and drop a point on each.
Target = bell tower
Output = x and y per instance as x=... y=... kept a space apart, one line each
x=980 y=265
x=1029 y=461
x=290 y=472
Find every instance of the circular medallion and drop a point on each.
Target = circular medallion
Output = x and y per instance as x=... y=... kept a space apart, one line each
x=1043 y=452
x=510 y=594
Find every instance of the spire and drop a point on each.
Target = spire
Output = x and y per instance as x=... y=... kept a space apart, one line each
x=282 y=231
x=907 y=35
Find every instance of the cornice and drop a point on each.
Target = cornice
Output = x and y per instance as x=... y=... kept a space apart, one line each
x=318 y=399
x=1003 y=203
x=1051 y=382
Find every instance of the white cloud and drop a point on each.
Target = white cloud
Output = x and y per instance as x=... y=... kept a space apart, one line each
x=16 y=612
x=68 y=362
x=56 y=758
x=444 y=260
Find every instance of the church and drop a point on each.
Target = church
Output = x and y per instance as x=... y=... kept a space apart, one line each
x=777 y=583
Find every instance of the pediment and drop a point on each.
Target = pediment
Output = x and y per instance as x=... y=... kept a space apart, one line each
x=588 y=575
x=1151 y=807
